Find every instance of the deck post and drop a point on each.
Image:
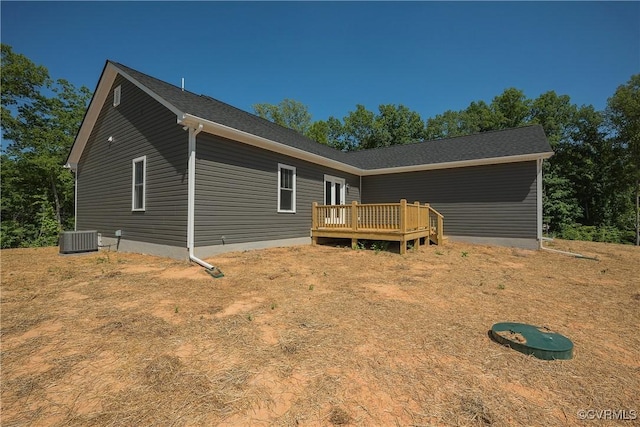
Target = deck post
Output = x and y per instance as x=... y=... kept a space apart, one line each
x=403 y=226
x=427 y=241
x=314 y=216
x=314 y=222
x=419 y=225
x=354 y=215
x=440 y=230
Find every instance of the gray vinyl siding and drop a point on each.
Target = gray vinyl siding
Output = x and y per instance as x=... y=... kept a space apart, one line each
x=237 y=193
x=140 y=126
x=484 y=201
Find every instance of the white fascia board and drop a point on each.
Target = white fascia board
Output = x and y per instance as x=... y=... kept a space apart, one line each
x=99 y=97
x=266 y=144
x=458 y=164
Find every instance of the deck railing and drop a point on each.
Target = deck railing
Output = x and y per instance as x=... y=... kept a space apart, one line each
x=400 y=217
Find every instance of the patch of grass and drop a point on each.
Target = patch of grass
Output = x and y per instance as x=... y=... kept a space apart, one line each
x=163 y=372
x=476 y=411
x=103 y=259
x=110 y=273
x=311 y=287
x=465 y=254
x=290 y=343
x=339 y=417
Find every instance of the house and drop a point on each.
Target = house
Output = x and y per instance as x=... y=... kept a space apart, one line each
x=164 y=171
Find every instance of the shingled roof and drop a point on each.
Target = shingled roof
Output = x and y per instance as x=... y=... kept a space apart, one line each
x=523 y=143
x=217 y=111
x=487 y=145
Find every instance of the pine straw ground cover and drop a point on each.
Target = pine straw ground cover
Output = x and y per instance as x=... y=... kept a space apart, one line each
x=316 y=336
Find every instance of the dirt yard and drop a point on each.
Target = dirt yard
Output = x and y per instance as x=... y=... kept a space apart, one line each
x=318 y=336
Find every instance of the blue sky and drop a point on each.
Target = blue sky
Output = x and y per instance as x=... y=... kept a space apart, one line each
x=429 y=56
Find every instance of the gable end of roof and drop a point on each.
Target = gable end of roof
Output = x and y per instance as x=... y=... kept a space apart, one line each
x=100 y=95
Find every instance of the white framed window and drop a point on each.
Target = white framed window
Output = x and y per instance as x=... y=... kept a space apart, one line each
x=286 y=188
x=139 y=184
x=116 y=95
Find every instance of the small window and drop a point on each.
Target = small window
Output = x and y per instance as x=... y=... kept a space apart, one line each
x=286 y=188
x=139 y=183
x=116 y=96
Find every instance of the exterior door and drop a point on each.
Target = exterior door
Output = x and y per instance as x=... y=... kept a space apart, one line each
x=334 y=194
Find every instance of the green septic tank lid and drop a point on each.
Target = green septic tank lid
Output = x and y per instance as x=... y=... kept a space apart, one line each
x=528 y=339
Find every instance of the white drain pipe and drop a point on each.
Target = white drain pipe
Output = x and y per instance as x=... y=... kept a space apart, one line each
x=191 y=198
x=573 y=254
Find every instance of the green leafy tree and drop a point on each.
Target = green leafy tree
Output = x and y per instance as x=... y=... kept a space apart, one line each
x=395 y=124
x=511 y=108
x=557 y=114
x=319 y=132
x=40 y=118
x=358 y=129
x=295 y=115
x=507 y=110
x=329 y=132
x=446 y=125
x=623 y=117
x=288 y=113
x=336 y=133
x=479 y=117
x=585 y=161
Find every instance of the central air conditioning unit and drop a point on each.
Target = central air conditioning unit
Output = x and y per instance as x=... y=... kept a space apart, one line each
x=72 y=242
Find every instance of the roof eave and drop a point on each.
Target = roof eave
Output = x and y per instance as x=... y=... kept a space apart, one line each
x=218 y=129
x=458 y=164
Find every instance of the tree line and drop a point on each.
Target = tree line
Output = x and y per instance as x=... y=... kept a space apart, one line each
x=591 y=184
x=40 y=119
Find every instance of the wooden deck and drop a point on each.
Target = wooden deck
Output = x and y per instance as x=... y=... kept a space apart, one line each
x=399 y=222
